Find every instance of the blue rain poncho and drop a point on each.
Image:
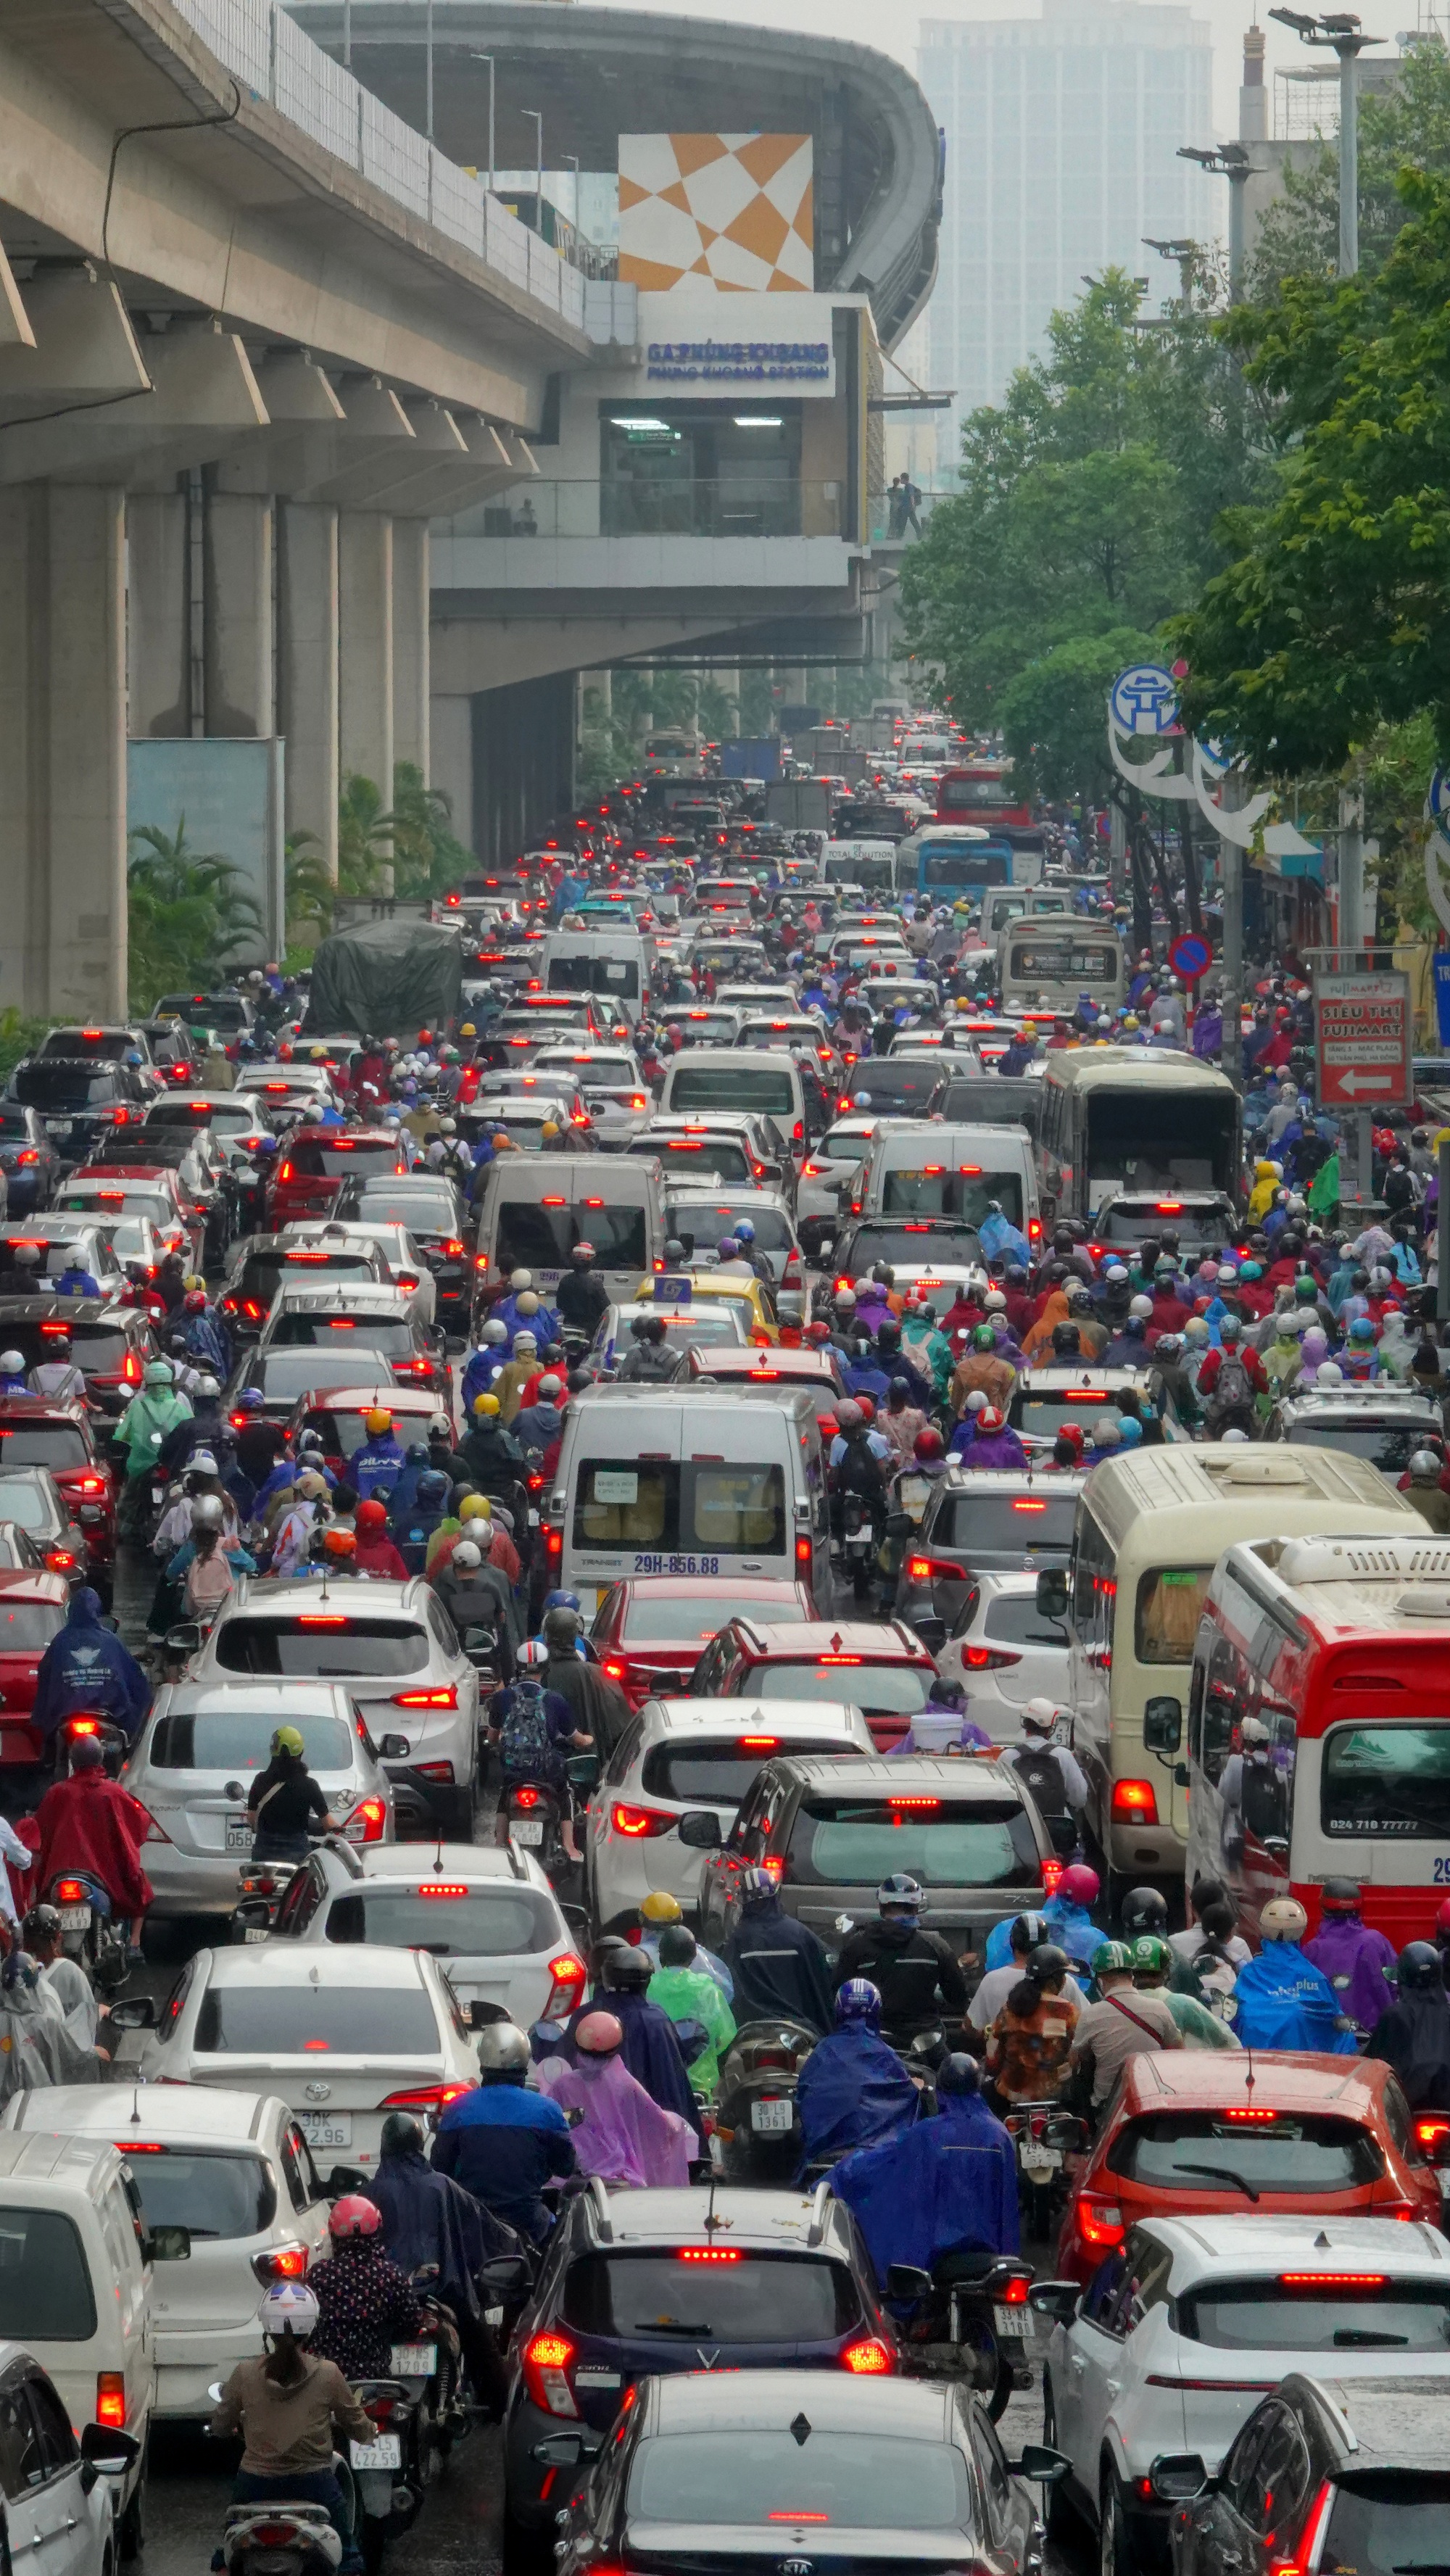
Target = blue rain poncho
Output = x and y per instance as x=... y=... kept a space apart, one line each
x=1284 y=2001
x=852 y=2091
x=947 y=2182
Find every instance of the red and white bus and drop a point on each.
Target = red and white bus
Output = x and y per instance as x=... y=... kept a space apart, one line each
x=1319 y=1727
x=978 y=793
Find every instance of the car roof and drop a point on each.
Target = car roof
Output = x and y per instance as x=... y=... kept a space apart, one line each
x=297 y=1963
x=381 y=1592
x=1014 y=1480
x=37 y=1408
x=199 y=2112
x=45 y=2155
x=858 y=1774
x=767 y=2400
x=801 y=1718
x=1399 y=2426
x=317 y=1296
x=340 y=1135
x=315 y=1699
x=744 y=1360
x=32 y=1583
x=675 y=1587
x=1189 y=2078
x=1225 y=2248
x=851 y=1641
x=657 y=2217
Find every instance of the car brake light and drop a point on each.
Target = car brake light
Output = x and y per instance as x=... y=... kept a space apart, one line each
x=371 y=1816
x=932 y=1569
x=868 y=2360
x=1432 y=2128
x=1099 y=2222
x=1311 y=2539
x=615 y=1667
x=1332 y=2280
x=903 y=1801
x=546 y=2360
x=709 y=2254
x=761 y=1743
x=111 y=2399
x=423 y=2097
x=570 y=1977
x=1136 y=1799
x=443 y=1887
x=130 y=1368
x=1259 y=2118
x=1025 y=1505
x=447 y=1698
x=640 y=1824
x=987 y=1659
x=285 y=1172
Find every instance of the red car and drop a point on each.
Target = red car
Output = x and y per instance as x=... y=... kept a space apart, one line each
x=36 y=1433
x=316 y=1160
x=1331 y=2134
x=882 y=1666
x=338 y=1414
x=649 y=1631
x=32 y=1611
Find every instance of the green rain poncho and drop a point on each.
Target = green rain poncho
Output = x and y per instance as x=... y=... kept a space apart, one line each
x=691 y=1994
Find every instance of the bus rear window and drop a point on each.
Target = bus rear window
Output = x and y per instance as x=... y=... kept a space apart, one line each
x=1064 y=961
x=1387 y=1780
x=941 y=1190
x=965 y=863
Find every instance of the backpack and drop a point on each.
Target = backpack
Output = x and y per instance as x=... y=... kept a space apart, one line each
x=1234 y=1391
x=1040 y=1772
x=524 y=1738
x=207 y=1582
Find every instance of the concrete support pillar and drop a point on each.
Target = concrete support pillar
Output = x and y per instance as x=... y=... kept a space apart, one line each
x=365 y=658
x=157 y=590
x=307 y=646
x=240 y=666
x=63 y=750
x=451 y=745
x=410 y=645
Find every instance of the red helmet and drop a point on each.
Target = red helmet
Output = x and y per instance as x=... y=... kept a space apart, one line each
x=353 y=2216
x=867 y=1404
x=194 y=1302
x=928 y=1444
x=1074 y=1432
x=991 y=1418
x=371 y=1516
x=340 y=1542
x=818 y=1332
x=1442 y=1921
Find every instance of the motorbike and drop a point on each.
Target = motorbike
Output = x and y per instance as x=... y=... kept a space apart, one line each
x=755 y=2131
x=1044 y=2137
x=858 y=1544
x=92 y=1730
x=279 y=2540
x=430 y=2374
x=89 y=1934
x=481 y=1646
x=387 y=2473
x=967 y=2318
x=531 y=1812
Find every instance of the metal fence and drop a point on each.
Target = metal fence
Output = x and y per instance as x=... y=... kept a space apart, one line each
x=270 y=55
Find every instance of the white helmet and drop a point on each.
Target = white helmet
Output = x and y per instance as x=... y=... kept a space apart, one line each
x=1041 y=1713
x=534 y=1651
x=207 y=1385
x=1141 y=1306
x=12 y=1363
x=290 y=2309
x=466 y=1554
x=494 y=1331
x=1283 y=1919
x=519 y=1280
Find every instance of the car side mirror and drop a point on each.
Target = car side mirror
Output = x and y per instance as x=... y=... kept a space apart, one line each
x=139 y=2013
x=1162 y=1725
x=907 y=2281
x=1038 y=2461
x=342 y=2179
x=395 y=1748
x=1179 y=2477
x=110 y=2450
x=168 y=2244
x=184 y=1639
x=700 y=1830
x=1058 y=2299
x=1052 y=1593
x=565 y=2450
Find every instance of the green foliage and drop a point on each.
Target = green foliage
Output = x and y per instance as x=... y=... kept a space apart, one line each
x=364 y=837
x=428 y=857
x=1334 y=619
x=308 y=888
x=1404 y=127
x=187 y=914
x=19 y=1036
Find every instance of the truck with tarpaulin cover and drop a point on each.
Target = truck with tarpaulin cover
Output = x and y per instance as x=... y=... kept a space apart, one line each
x=391 y=978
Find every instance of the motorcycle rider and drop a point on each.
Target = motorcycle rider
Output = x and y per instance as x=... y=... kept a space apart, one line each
x=601 y=1711
x=1144 y=1910
x=1424 y=1492
x=942 y=2184
x=502 y=2141
x=852 y=2090
x=1120 y=2025
x=55 y=1376
x=429 y=2220
x=583 y=1298
x=476 y=1595
x=856 y=1472
x=1048 y=1770
x=1027 y=1932
x=650 y=1363
x=1067 y=1914
x=64 y=1983
x=1228 y=1382
x=144 y=1425
x=651 y=2050
x=915 y=1971
x=777 y=1965
x=1282 y=2000
x=1359 y=1963
x=365 y=2304
x=90 y=1825
x=1030 y=2040
x=657 y=1912
x=283 y=1799
x=284 y=2403
x=376 y=1467
x=534 y=1729
x=1198 y=2027
x=86 y=1669
x=1413 y=2034
x=684 y=1989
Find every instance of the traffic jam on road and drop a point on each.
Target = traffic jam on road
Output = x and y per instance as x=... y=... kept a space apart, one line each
x=665 y=1638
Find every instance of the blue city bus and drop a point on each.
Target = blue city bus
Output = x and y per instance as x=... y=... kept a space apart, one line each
x=947 y=862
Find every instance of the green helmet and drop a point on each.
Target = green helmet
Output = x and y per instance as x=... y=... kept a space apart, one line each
x=983 y=1338
x=1306 y=1288
x=159 y=1373
x=1151 y=1957
x=1111 y=1956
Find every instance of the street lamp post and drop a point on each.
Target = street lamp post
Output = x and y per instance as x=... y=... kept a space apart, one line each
x=428 y=58
x=1344 y=36
x=536 y=117
x=570 y=161
x=1227 y=161
x=488 y=58
x=1186 y=254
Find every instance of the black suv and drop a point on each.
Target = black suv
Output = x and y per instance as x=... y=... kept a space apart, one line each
x=84 y=1102
x=648 y=2283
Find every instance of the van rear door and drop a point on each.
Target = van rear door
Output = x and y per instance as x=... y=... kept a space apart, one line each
x=660 y=1487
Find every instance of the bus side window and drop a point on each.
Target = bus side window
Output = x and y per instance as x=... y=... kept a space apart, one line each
x=1201 y=1648
x=1222 y=1708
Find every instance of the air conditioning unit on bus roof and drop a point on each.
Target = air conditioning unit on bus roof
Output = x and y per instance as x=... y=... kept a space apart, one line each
x=1366 y=1560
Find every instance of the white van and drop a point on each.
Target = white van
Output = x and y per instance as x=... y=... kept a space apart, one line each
x=1004 y=905
x=612 y=967
x=75 y=2283
x=679 y=1480
x=917 y=1167
x=1055 y=963
x=536 y=1207
x=760 y=1079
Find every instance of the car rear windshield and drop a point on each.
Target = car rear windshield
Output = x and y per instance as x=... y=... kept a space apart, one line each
x=734 y=1086
x=532 y=1236
x=26 y=1627
x=1272 y=2315
x=213 y=2191
x=1387 y=2523
x=916 y=1245
x=693 y=1156
x=421 y=1211
x=616 y=977
x=284 y=1375
x=313 y=1161
x=322 y=1646
x=42 y=1444
x=981 y=1844
x=736 y=1508
x=883 y=1690
x=897 y=1090
x=755 y=2298
x=1042 y=1410
x=262 y=1270
x=236 y=1740
x=968 y=1190
x=1386 y=1444
x=1390 y=1780
x=759 y=2478
x=117 y=1198
x=173 y=1113
x=58 y=1085
x=1299 y=2152
x=676 y=1622
x=317 y=2021
x=481 y=1923
x=1210 y=1226
x=391 y=1334
x=1006 y=1524
x=94 y=1347
x=706 y=1224
x=45 y=2282
x=708 y=1028
x=342 y=1433
x=13 y=1121
x=27 y=1503
x=720 y=1773
x=993 y=1100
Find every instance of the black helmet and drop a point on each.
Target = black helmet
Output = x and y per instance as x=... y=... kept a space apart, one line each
x=1046 y=1962
x=888 y=1334
x=1066 y=1339
x=1028 y=1932
x=1340 y=1895
x=1420 y=1968
x=1145 y=1909
x=628 y=1971
x=43 y=1923
x=402 y=2135
x=958 y=2074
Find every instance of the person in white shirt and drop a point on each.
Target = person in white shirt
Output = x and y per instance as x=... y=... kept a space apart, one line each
x=1186 y=1945
x=65 y=1990
x=56 y=1377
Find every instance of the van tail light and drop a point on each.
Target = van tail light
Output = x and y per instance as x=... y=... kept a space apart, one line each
x=547 y=2359
x=570 y=1977
x=803 y=1550
x=987 y=1659
x=1099 y=2222
x=553 y=1542
x=131 y=1368
x=1135 y=1801
x=1311 y=2542
x=111 y=2399
x=280 y=2263
x=367 y=1822
x=640 y=1824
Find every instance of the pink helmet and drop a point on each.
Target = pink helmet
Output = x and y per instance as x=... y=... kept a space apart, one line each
x=599 y=2034
x=1079 y=1884
x=353 y=2216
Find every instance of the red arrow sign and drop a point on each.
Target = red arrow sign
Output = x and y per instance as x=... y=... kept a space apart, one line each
x=1364 y=1040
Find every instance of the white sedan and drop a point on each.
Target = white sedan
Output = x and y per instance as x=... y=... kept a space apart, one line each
x=344 y=2035
x=1004 y=1651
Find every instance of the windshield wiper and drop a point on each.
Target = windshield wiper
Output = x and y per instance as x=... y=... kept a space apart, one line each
x=1220 y=2173
x=1361 y=2336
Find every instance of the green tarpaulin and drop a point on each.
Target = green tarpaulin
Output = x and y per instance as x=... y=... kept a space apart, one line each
x=388 y=979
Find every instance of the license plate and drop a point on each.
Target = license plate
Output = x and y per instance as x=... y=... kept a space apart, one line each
x=75 y=1918
x=57 y=1126
x=1040 y=2160
x=414 y=2360
x=327 y=2129
x=1010 y=2321
x=772 y=2119
x=254 y=1932
x=385 y=2453
x=528 y=1835
x=239 y=1834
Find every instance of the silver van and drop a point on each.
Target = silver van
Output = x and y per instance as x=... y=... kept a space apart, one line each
x=756 y=1078
x=914 y=1167
x=536 y=1207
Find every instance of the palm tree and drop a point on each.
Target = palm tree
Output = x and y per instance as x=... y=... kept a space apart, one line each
x=309 y=886
x=188 y=913
x=364 y=837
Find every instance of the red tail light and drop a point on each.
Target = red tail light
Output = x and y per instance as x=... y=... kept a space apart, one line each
x=280 y=2263
x=933 y=1569
x=640 y=1824
x=1015 y=2293
x=72 y=1891
x=616 y=1667
x=1136 y=1800
x=28 y=1156
x=423 y=2097
x=111 y=2399
x=570 y=1977
x=868 y=2359
x=1099 y=2222
x=367 y=1822
x=987 y=1659
x=546 y=2363
x=131 y=1368
x=525 y=1798
x=447 y=1698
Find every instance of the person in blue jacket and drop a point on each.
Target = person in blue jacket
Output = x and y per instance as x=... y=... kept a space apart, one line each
x=86 y=1667
x=1281 y=2000
x=939 y=2187
x=76 y=1281
x=486 y=1363
x=853 y=2091
x=376 y=1467
x=502 y=2142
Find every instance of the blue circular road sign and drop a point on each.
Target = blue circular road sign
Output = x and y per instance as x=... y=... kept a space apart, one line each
x=1144 y=700
x=1190 y=956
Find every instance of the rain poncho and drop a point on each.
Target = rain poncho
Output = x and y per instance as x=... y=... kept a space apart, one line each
x=1360 y=1965
x=852 y=2091
x=691 y=1994
x=1267 y=1177
x=624 y=2137
x=652 y=2054
x=649 y=1942
x=1000 y=1239
x=778 y=1966
x=430 y=2218
x=1072 y=1928
x=67 y=1992
x=987 y=1449
x=36 y=2049
x=145 y=1423
x=85 y=1666
x=944 y=2183
x=1413 y=2037
x=376 y=1467
x=1284 y=2001
x=90 y=1825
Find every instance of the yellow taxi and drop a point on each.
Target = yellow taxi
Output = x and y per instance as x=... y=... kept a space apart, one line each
x=696 y=1288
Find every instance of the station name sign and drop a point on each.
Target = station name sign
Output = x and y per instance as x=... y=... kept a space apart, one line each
x=736 y=362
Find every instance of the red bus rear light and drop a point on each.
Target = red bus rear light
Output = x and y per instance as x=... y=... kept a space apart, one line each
x=1137 y=1800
